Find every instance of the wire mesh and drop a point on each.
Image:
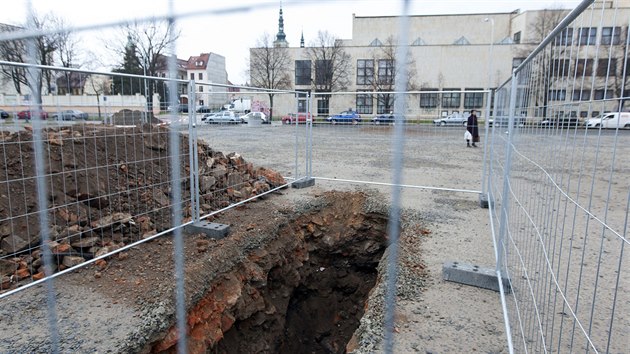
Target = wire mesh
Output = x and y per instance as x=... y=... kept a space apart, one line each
x=560 y=207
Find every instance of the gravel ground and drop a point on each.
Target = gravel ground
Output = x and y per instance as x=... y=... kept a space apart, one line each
x=442 y=222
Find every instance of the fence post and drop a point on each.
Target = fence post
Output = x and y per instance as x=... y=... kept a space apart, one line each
x=501 y=266
x=192 y=151
x=483 y=197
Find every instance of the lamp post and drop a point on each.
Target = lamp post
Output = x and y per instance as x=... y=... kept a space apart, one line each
x=484 y=198
x=491 y=20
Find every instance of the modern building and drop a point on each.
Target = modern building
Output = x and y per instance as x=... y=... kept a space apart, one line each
x=452 y=58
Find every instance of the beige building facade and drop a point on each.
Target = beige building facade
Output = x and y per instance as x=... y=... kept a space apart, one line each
x=455 y=59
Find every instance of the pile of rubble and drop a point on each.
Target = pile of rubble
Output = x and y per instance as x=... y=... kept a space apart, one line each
x=107 y=187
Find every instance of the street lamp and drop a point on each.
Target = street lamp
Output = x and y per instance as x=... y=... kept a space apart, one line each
x=491 y=20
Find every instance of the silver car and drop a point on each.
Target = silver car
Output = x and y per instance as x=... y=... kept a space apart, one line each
x=452 y=119
x=70 y=114
x=224 y=117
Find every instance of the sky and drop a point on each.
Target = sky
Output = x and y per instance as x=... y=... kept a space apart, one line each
x=231 y=27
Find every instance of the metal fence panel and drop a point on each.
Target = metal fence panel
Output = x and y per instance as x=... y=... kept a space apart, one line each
x=558 y=186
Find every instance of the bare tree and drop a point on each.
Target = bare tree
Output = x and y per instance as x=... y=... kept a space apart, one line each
x=543 y=71
x=13 y=51
x=388 y=68
x=150 y=41
x=269 y=67
x=44 y=45
x=332 y=64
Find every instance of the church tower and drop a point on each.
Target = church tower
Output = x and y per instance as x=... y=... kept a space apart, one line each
x=281 y=38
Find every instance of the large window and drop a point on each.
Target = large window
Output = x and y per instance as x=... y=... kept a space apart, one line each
x=611 y=35
x=557 y=95
x=386 y=71
x=302 y=72
x=603 y=94
x=584 y=67
x=323 y=107
x=581 y=95
x=365 y=71
x=303 y=100
x=560 y=67
x=365 y=104
x=385 y=103
x=587 y=35
x=323 y=72
x=429 y=99
x=473 y=99
x=564 y=38
x=451 y=99
x=606 y=67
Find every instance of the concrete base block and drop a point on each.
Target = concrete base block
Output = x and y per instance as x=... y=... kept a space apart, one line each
x=210 y=229
x=483 y=201
x=473 y=275
x=309 y=182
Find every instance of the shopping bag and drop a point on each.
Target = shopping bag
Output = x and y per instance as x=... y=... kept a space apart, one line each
x=467 y=135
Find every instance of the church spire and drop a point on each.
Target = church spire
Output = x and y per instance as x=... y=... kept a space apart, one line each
x=281 y=38
x=302 y=40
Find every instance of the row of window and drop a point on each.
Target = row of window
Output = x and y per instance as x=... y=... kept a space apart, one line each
x=607 y=67
x=582 y=95
x=365 y=72
x=588 y=36
x=384 y=102
x=199 y=76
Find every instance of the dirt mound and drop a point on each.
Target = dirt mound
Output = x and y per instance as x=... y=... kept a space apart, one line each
x=129 y=117
x=106 y=187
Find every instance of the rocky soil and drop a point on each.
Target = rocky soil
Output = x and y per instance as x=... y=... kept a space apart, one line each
x=107 y=187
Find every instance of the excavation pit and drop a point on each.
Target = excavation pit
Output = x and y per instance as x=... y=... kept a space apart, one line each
x=298 y=273
x=300 y=286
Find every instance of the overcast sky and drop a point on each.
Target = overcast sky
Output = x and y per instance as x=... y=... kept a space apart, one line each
x=205 y=27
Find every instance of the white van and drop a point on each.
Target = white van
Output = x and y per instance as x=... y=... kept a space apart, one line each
x=610 y=120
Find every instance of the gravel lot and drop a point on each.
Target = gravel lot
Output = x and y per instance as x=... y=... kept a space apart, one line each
x=441 y=199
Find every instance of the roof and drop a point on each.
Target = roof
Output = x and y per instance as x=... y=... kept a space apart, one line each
x=198 y=62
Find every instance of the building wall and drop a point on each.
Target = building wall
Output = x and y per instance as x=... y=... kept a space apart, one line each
x=484 y=63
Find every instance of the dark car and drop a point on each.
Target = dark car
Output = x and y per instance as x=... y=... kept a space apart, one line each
x=26 y=114
x=202 y=109
x=70 y=114
x=389 y=118
x=345 y=117
x=181 y=108
x=4 y=114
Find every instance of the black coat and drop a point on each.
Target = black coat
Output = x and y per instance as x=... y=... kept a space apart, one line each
x=473 y=127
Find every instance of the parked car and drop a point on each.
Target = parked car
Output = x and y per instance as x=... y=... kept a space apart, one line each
x=4 y=114
x=181 y=108
x=452 y=119
x=566 y=122
x=202 y=109
x=254 y=115
x=610 y=120
x=389 y=118
x=503 y=121
x=70 y=114
x=291 y=117
x=224 y=117
x=345 y=117
x=26 y=114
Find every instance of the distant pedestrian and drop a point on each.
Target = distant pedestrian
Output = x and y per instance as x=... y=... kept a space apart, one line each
x=472 y=127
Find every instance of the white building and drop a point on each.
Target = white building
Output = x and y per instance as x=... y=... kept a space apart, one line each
x=207 y=69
